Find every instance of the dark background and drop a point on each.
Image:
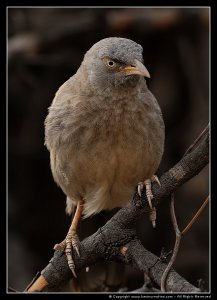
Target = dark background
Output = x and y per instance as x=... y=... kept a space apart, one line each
x=45 y=48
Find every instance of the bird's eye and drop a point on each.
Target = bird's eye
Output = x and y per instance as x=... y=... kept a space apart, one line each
x=110 y=63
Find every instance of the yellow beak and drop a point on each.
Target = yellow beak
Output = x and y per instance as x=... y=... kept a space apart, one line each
x=137 y=69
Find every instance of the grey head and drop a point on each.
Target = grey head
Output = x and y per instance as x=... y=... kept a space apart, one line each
x=114 y=63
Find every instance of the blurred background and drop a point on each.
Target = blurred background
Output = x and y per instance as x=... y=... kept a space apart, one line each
x=45 y=48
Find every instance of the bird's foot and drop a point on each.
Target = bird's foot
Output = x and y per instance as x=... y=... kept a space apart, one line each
x=71 y=241
x=149 y=195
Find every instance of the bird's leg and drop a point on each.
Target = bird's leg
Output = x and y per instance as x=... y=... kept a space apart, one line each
x=71 y=240
x=149 y=195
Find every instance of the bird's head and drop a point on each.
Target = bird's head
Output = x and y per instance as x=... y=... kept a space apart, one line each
x=114 y=63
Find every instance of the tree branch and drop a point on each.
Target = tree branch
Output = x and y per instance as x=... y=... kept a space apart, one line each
x=147 y=262
x=176 y=247
x=196 y=216
x=108 y=244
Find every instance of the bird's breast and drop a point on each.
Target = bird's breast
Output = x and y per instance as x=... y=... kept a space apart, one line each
x=104 y=151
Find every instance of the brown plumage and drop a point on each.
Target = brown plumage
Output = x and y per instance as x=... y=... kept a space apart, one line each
x=104 y=130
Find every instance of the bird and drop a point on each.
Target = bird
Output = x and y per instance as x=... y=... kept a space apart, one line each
x=105 y=133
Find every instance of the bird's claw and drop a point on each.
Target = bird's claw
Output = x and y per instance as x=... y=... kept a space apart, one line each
x=140 y=188
x=153 y=216
x=149 y=195
x=71 y=241
x=60 y=245
x=154 y=178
